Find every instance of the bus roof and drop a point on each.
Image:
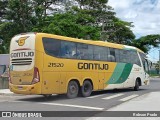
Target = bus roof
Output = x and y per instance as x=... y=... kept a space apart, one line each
x=101 y=43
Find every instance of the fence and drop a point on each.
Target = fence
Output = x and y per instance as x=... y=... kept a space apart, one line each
x=154 y=72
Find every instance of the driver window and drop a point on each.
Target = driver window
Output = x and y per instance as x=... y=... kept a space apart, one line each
x=144 y=62
x=146 y=66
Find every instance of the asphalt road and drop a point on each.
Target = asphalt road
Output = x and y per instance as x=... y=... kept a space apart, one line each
x=98 y=101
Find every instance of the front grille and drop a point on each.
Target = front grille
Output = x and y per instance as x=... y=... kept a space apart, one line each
x=22 y=61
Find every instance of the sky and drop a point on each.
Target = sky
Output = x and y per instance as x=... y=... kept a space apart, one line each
x=145 y=15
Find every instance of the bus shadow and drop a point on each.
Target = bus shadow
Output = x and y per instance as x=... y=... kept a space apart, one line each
x=41 y=98
x=114 y=91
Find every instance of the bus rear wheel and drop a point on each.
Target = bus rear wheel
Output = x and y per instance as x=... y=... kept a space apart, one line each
x=72 y=90
x=86 y=89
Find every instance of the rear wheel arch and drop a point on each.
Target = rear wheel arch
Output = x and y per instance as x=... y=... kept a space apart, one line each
x=76 y=80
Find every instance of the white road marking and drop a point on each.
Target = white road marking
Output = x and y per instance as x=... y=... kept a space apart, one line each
x=113 y=96
x=94 y=96
x=129 y=97
x=77 y=106
x=16 y=101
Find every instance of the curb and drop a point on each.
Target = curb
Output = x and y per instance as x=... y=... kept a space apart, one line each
x=10 y=94
x=6 y=92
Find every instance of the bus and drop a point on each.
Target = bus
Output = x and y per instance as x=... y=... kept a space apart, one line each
x=46 y=64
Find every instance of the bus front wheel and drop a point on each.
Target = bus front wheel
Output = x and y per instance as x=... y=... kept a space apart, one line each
x=136 y=87
x=72 y=90
x=86 y=89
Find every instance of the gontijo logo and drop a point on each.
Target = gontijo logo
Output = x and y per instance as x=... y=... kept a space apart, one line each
x=21 y=40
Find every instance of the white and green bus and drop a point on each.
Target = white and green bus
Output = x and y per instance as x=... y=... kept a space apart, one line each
x=48 y=64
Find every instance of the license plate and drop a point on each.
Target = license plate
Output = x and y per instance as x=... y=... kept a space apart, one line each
x=20 y=87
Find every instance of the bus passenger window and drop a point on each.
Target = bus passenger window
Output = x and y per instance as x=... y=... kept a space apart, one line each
x=86 y=51
x=68 y=49
x=134 y=58
x=111 y=58
x=51 y=46
x=111 y=55
x=100 y=53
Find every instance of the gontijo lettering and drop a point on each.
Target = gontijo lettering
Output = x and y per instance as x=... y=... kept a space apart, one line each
x=22 y=54
x=93 y=66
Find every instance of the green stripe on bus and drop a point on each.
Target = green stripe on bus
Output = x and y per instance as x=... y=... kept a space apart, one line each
x=121 y=73
x=125 y=73
x=117 y=73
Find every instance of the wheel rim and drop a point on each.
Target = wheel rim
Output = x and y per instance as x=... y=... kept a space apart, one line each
x=86 y=88
x=137 y=85
x=73 y=89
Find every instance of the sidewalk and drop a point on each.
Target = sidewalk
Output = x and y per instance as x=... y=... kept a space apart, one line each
x=6 y=92
x=146 y=102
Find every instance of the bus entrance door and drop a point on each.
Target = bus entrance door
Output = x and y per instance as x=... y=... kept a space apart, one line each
x=146 y=72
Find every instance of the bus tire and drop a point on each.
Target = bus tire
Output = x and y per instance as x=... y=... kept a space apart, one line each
x=137 y=84
x=72 y=90
x=86 y=89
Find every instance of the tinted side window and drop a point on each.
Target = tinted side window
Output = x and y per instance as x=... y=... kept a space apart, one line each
x=100 y=53
x=134 y=58
x=143 y=56
x=84 y=51
x=68 y=49
x=111 y=55
x=51 y=46
x=124 y=56
x=117 y=54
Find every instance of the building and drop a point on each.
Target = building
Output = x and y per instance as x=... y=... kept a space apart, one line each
x=4 y=63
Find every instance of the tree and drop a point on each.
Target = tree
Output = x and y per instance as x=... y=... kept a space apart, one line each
x=17 y=18
x=112 y=29
x=89 y=19
x=99 y=11
x=67 y=24
x=120 y=31
x=144 y=43
x=20 y=12
x=3 y=6
x=43 y=9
